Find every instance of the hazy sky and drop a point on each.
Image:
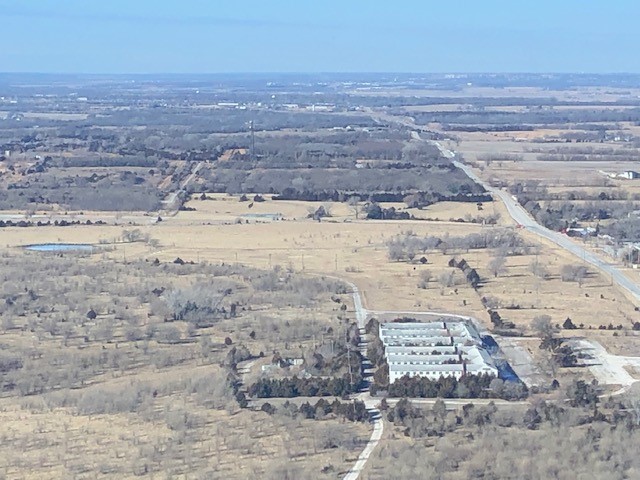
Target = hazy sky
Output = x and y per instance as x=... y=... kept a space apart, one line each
x=210 y=36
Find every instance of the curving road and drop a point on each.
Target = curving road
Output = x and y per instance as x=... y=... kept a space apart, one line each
x=522 y=217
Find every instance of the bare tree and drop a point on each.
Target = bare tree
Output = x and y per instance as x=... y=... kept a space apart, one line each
x=574 y=273
x=396 y=252
x=411 y=253
x=354 y=203
x=547 y=363
x=425 y=277
x=497 y=265
x=447 y=279
x=538 y=269
x=632 y=403
x=132 y=235
x=543 y=326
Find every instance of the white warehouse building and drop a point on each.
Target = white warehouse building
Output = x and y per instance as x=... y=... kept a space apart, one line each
x=434 y=350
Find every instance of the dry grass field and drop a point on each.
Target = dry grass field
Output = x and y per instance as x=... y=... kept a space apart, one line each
x=356 y=250
x=173 y=436
x=168 y=349
x=134 y=392
x=353 y=249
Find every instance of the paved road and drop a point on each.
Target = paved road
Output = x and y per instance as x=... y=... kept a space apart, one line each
x=456 y=403
x=608 y=369
x=370 y=403
x=171 y=199
x=522 y=217
x=244 y=369
x=361 y=312
x=356 y=470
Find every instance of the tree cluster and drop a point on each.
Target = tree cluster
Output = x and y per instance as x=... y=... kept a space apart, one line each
x=471 y=274
x=376 y=212
x=48 y=223
x=355 y=411
x=561 y=354
x=302 y=387
x=469 y=386
x=408 y=245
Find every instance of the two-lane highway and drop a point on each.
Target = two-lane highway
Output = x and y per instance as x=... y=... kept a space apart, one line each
x=522 y=217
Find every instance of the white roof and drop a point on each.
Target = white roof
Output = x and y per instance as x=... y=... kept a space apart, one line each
x=426 y=348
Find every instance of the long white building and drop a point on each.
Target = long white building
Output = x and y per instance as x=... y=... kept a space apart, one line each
x=434 y=350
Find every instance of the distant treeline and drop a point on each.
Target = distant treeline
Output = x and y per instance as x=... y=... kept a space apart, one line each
x=119 y=161
x=500 y=128
x=337 y=196
x=531 y=117
x=48 y=223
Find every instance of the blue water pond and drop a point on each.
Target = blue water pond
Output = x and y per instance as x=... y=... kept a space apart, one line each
x=60 y=247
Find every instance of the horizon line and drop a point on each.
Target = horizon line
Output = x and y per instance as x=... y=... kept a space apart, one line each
x=328 y=72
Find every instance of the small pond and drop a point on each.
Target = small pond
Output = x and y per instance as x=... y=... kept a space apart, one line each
x=60 y=247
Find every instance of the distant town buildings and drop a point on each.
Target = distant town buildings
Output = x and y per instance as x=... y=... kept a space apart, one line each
x=434 y=350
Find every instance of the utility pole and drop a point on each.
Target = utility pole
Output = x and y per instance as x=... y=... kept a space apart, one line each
x=253 y=140
x=537 y=275
x=349 y=357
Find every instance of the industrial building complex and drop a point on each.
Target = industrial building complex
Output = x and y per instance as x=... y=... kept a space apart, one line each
x=434 y=350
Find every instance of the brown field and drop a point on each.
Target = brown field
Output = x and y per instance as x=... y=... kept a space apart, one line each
x=133 y=360
x=447 y=211
x=561 y=174
x=356 y=249
x=151 y=405
x=215 y=444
